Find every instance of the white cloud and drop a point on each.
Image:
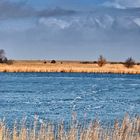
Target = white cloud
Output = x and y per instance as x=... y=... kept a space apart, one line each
x=122 y=4
x=129 y=3
x=105 y=21
x=92 y=22
x=137 y=21
x=113 y=4
x=52 y=22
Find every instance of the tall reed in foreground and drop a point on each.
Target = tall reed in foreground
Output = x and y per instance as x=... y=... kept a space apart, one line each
x=129 y=129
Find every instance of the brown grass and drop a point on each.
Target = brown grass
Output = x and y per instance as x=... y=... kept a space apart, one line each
x=39 y=66
x=129 y=129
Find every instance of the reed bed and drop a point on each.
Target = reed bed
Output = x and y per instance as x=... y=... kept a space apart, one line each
x=39 y=66
x=129 y=129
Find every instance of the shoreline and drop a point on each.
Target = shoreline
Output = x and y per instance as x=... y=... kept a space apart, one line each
x=68 y=67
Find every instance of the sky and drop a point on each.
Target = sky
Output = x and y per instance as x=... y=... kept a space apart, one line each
x=70 y=29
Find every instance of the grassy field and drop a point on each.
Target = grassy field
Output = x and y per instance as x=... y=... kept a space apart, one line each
x=67 y=66
x=129 y=129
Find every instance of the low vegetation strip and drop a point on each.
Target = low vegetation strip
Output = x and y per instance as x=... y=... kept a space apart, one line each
x=99 y=66
x=129 y=129
x=67 y=66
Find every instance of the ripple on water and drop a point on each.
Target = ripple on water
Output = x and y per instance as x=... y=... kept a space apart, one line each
x=57 y=95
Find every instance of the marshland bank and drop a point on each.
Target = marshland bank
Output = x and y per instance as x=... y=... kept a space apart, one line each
x=67 y=66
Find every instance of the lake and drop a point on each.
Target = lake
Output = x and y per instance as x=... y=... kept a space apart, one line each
x=54 y=96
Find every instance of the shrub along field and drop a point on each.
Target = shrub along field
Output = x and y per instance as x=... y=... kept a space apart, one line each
x=70 y=66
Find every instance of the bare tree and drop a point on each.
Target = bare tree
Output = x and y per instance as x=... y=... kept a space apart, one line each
x=3 y=58
x=129 y=63
x=101 y=61
x=2 y=53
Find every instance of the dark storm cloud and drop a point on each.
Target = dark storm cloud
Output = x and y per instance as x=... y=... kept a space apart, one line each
x=20 y=10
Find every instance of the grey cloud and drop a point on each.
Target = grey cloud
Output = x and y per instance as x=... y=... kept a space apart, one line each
x=55 y=12
x=14 y=10
x=19 y=10
x=98 y=19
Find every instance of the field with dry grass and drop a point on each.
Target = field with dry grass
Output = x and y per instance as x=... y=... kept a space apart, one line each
x=67 y=66
x=128 y=129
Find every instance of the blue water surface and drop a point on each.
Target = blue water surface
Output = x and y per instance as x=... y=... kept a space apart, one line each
x=54 y=96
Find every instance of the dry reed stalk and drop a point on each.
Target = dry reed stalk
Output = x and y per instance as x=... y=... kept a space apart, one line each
x=42 y=132
x=15 y=136
x=128 y=130
x=61 y=132
x=1 y=131
x=50 y=132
